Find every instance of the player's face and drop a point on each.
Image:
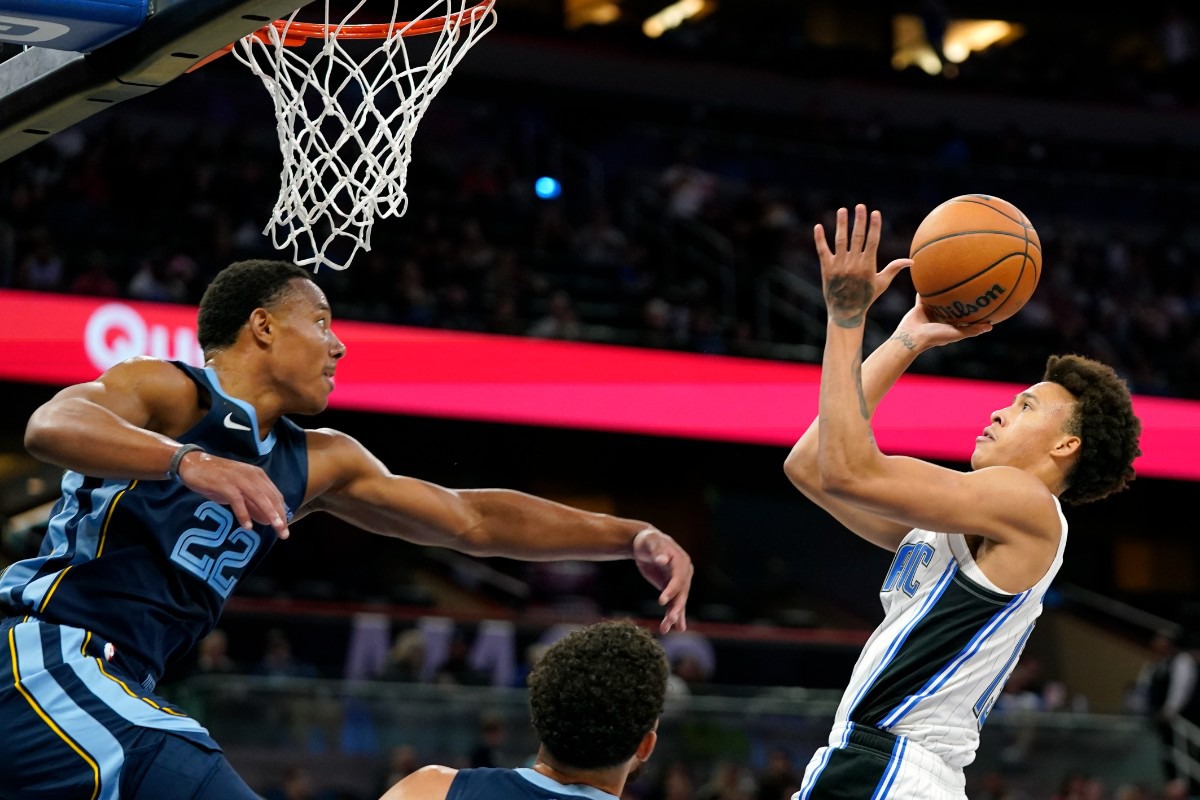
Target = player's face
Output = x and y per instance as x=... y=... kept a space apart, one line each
x=306 y=348
x=1024 y=433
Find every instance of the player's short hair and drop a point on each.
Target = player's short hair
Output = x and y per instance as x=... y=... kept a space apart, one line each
x=1105 y=423
x=597 y=692
x=234 y=294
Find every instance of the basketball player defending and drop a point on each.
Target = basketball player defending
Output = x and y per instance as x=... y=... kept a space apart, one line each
x=595 y=699
x=975 y=551
x=178 y=480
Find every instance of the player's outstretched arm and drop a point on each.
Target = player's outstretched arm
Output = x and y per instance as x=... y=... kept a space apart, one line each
x=346 y=480
x=122 y=425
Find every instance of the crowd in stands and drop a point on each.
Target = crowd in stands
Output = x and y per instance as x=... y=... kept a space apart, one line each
x=679 y=226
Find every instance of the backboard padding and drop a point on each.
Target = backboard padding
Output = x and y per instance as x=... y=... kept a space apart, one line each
x=45 y=91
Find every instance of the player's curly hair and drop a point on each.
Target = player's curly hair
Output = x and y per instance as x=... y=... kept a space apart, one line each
x=1105 y=423
x=597 y=692
x=234 y=294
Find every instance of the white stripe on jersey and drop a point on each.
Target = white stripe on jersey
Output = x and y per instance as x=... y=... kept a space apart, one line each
x=948 y=642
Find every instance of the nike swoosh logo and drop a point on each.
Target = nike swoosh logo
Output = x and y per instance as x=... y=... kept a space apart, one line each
x=237 y=426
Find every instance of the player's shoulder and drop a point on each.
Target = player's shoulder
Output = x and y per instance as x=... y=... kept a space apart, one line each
x=147 y=372
x=337 y=455
x=428 y=783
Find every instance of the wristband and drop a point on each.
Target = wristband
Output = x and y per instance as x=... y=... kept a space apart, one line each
x=177 y=459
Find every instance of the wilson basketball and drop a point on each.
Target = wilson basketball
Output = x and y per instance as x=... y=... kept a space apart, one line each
x=975 y=258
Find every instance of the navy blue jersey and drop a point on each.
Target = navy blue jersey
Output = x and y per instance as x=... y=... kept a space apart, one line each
x=148 y=565
x=517 y=784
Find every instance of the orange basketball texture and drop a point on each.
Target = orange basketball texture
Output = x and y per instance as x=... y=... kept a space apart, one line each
x=975 y=258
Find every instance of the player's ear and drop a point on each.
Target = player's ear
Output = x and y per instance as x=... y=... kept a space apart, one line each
x=259 y=323
x=1067 y=445
x=647 y=746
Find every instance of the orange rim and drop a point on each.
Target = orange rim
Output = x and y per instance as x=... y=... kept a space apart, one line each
x=297 y=33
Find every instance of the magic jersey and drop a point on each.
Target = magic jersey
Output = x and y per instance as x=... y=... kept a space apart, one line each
x=148 y=565
x=949 y=639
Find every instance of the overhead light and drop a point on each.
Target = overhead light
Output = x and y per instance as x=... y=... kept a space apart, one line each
x=579 y=13
x=675 y=15
x=963 y=37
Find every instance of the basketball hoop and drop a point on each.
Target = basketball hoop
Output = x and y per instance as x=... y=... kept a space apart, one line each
x=346 y=117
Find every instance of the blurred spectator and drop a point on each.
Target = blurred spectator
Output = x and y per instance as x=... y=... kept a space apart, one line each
x=1132 y=791
x=487 y=749
x=296 y=784
x=729 y=780
x=279 y=661
x=212 y=654
x=162 y=280
x=1168 y=683
x=402 y=761
x=676 y=783
x=42 y=269
x=405 y=658
x=560 y=320
x=95 y=279
x=779 y=781
x=456 y=670
x=689 y=187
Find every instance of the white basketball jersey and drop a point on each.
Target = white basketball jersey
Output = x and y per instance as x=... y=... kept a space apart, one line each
x=948 y=641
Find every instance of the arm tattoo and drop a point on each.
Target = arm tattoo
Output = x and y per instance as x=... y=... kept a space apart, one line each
x=862 y=398
x=904 y=338
x=848 y=300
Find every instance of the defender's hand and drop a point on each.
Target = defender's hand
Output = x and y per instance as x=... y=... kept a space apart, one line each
x=246 y=489
x=667 y=566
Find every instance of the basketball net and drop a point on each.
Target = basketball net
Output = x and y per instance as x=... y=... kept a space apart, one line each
x=346 y=117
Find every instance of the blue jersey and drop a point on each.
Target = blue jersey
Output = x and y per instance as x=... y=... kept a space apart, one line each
x=148 y=565
x=517 y=784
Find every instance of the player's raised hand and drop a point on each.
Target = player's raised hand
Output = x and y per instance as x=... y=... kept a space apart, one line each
x=848 y=275
x=668 y=567
x=245 y=488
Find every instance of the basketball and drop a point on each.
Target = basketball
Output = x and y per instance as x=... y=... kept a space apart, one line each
x=976 y=258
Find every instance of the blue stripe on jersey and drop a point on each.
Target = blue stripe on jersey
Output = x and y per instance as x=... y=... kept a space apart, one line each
x=930 y=602
x=74 y=725
x=936 y=682
x=981 y=704
x=265 y=445
x=571 y=789
x=82 y=531
x=893 y=769
x=811 y=780
x=116 y=695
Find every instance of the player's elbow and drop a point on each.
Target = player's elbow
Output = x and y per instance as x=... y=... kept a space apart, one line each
x=40 y=435
x=801 y=471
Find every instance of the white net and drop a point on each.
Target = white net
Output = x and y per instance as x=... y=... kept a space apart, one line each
x=347 y=110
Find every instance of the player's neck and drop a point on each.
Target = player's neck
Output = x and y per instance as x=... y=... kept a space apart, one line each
x=611 y=780
x=241 y=378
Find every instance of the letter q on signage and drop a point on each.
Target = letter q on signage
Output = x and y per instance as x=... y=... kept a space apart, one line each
x=116 y=332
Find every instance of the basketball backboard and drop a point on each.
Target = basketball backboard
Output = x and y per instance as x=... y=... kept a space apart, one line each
x=128 y=48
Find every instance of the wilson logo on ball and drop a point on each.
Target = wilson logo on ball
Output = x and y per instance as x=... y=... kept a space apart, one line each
x=976 y=258
x=959 y=310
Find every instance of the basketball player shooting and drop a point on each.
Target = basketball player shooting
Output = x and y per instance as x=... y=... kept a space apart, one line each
x=178 y=480
x=975 y=550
